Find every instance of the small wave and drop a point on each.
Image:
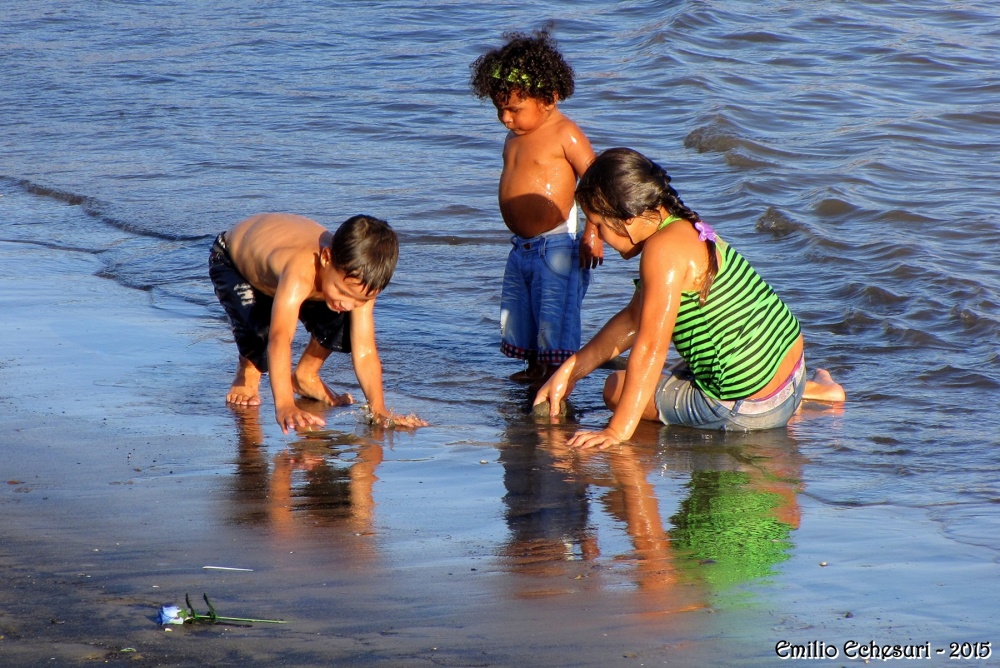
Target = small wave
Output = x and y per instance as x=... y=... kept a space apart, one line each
x=455 y=210
x=915 y=337
x=696 y=21
x=876 y=296
x=760 y=37
x=967 y=119
x=776 y=223
x=112 y=274
x=886 y=440
x=973 y=322
x=901 y=216
x=94 y=209
x=52 y=245
x=723 y=136
x=712 y=139
x=53 y=193
x=835 y=207
x=951 y=376
x=856 y=321
x=145 y=232
x=741 y=160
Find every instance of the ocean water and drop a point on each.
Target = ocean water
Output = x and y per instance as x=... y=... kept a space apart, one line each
x=850 y=150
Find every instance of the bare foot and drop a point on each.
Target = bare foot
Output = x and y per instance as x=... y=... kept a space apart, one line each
x=312 y=387
x=531 y=374
x=822 y=387
x=246 y=385
x=545 y=373
x=534 y=374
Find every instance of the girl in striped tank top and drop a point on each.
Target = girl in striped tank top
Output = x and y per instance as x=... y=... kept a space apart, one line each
x=742 y=366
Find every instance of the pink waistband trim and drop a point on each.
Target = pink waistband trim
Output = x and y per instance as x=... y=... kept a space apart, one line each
x=796 y=370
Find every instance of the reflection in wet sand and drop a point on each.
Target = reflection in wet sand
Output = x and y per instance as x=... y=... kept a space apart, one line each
x=323 y=479
x=729 y=522
x=660 y=526
x=736 y=522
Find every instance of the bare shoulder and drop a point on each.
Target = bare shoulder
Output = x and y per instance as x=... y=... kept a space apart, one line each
x=664 y=250
x=266 y=225
x=568 y=125
x=269 y=246
x=575 y=144
x=676 y=250
x=567 y=128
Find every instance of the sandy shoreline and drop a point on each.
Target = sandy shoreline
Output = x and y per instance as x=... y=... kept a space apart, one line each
x=122 y=481
x=123 y=478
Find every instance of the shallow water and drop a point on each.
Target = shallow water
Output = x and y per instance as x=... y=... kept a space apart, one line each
x=849 y=150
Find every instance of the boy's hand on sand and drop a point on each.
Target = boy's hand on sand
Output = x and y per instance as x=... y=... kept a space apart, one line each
x=390 y=419
x=293 y=417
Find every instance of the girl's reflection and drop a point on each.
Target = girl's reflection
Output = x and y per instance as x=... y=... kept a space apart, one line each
x=733 y=525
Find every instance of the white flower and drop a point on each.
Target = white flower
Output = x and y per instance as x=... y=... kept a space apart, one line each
x=171 y=614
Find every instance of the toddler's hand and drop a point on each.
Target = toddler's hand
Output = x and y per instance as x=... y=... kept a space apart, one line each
x=591 y=248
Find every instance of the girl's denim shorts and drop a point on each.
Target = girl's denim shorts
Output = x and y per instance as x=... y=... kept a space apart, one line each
x=679 y=401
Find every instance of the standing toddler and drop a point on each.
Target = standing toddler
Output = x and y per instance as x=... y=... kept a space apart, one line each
x=544 y=154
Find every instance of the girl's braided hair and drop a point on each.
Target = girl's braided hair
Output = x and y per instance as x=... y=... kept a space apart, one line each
x=621 y=184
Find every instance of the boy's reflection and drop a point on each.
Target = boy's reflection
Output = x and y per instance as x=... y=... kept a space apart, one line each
x=323 y=479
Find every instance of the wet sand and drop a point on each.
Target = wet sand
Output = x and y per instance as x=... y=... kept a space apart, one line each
x=124 y=475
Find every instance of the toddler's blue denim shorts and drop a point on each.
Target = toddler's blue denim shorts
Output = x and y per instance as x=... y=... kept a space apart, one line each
x=543 y=289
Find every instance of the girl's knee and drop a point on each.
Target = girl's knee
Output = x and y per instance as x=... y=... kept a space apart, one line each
x=613 y=389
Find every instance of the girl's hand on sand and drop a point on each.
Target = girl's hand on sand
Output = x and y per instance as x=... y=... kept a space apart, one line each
x=555 y=389
x=601 y=440
x=295 y=418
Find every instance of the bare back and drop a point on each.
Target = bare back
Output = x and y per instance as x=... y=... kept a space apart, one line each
x=270 y=247
x=539 y=176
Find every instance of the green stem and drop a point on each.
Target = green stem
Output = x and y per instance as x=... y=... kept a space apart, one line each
x=212 y=617
x=220 y=618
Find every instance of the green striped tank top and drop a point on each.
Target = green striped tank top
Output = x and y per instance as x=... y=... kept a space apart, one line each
x=736 y=341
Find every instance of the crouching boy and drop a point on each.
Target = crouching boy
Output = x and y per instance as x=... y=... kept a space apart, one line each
x=274 y=269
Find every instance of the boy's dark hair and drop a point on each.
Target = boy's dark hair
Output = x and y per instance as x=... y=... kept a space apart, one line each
x=366 y=249
x=528 y=64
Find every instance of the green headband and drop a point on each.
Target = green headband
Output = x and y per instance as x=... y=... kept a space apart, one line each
x=515 y=76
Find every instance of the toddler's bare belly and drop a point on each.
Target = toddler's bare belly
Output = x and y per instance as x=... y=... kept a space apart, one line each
x=531 y=214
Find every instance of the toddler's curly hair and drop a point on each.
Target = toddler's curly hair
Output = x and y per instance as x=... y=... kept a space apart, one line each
x=528 y=64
